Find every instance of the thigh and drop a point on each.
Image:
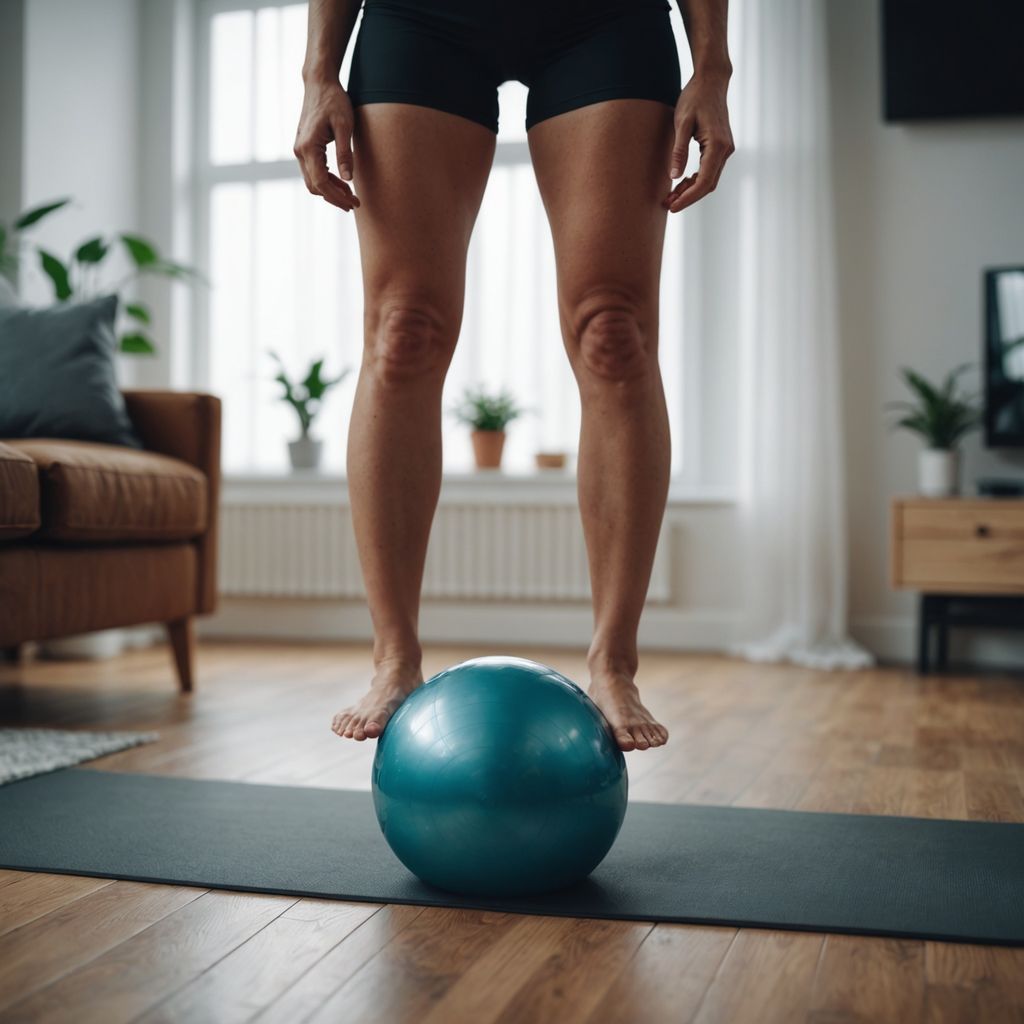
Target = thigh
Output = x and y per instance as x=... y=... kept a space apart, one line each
x=427 y=53
x=602 y=171
x=602 y=50
x=420 y=174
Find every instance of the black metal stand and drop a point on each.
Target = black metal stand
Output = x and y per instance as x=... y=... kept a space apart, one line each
x=940 y=612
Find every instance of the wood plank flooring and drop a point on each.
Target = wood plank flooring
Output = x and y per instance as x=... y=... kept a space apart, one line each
x=883 y=741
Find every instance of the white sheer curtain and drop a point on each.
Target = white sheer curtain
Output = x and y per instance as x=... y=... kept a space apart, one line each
x=792 y=508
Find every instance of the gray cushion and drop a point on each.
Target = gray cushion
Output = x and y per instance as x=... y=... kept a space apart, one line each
x=57 y=373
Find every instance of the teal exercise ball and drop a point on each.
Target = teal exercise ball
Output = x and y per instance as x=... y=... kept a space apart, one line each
x=499 y=777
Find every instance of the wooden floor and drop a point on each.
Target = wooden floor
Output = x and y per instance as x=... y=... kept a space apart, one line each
x=82 y=949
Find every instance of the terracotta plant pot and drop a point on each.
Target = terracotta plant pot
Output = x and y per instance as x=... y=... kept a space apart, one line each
x=550 y=460
x=487 y=448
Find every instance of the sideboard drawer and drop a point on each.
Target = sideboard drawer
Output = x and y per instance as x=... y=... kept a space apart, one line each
x=968 y=521
x=958 y=546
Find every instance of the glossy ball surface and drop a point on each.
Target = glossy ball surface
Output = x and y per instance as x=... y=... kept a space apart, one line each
x=499 y=776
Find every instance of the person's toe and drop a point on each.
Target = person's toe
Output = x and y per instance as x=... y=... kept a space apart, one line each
x=339 y=722
x=640 y=738
x=374 y=727
x=625 y=738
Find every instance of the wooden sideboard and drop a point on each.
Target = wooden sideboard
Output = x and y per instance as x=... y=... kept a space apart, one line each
x=965 y=556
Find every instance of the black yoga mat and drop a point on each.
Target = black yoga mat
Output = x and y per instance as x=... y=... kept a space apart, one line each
x=911 y=877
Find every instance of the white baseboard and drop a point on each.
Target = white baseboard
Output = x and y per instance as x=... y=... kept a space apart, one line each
x=891 y=638
x=483 y=622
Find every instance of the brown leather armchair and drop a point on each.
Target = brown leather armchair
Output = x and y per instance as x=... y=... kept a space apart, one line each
x=96 y=536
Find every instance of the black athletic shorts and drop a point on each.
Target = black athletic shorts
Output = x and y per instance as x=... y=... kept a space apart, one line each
x=453 y=54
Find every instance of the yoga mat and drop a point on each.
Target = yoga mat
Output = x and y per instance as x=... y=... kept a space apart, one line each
x=860 y=874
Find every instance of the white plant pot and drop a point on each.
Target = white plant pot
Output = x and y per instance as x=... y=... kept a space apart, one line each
x=938 y=472
x=305 y=453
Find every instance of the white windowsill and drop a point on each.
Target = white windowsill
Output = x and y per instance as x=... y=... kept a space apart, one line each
x=554 y=487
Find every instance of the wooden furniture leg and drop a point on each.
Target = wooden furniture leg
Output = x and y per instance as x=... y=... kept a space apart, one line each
x=924 y=626
x=183 y=644
x=942 y=653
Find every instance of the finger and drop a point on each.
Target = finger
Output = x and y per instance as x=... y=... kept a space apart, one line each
x=719 y=152
x=712 y=161
x=713 y=155
x=679 y=190
x=319 y=181
x=681 y=149
x=342 y=148
x=333 y=189
x=300 y=152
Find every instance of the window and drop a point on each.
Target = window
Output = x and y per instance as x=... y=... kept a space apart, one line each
x=285 y=272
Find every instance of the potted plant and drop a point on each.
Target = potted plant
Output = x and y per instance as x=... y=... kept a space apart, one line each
x=942 y=417
x=487 y=415
x=78 y=275
x=306 y=398
x=550 y=460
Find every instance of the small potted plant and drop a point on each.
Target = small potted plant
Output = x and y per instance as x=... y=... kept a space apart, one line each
x=550 y=460
x=306 y=398
x=487 y=415
x=942 y=417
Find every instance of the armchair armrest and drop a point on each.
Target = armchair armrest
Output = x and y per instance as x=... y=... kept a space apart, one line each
x=186 y=425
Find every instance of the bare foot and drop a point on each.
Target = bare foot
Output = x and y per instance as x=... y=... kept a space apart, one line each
x=633 y=726
x=392 y=683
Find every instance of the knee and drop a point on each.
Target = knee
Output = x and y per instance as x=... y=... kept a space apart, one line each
x=613 y=346
x=408 y=344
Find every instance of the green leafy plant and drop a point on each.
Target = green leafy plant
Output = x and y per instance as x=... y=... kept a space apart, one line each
x=306 y=396
x=940 y=414
x=11 y=240
x=78 y=276
x=482 y=411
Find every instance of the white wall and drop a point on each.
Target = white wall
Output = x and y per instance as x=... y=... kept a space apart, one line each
x=80 y=137
x=12 y=86
x=921 y=210
x=80 y=120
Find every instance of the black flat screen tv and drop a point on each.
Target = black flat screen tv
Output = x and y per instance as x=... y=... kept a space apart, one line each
x=952 y=58
x=1004 y=357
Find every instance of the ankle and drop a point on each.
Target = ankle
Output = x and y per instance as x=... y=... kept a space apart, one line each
x=603 y=662
x=402 y=660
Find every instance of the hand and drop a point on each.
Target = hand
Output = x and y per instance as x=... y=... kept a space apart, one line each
x=701 y=114
x=326 y=116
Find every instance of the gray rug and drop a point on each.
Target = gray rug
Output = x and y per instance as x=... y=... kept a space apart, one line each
x=862 y=874
x=28 y=752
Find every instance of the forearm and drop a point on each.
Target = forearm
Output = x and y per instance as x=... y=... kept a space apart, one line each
x=706 y=23
x=329 y=27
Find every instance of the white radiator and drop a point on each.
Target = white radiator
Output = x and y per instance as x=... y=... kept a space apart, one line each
x=477 y=551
